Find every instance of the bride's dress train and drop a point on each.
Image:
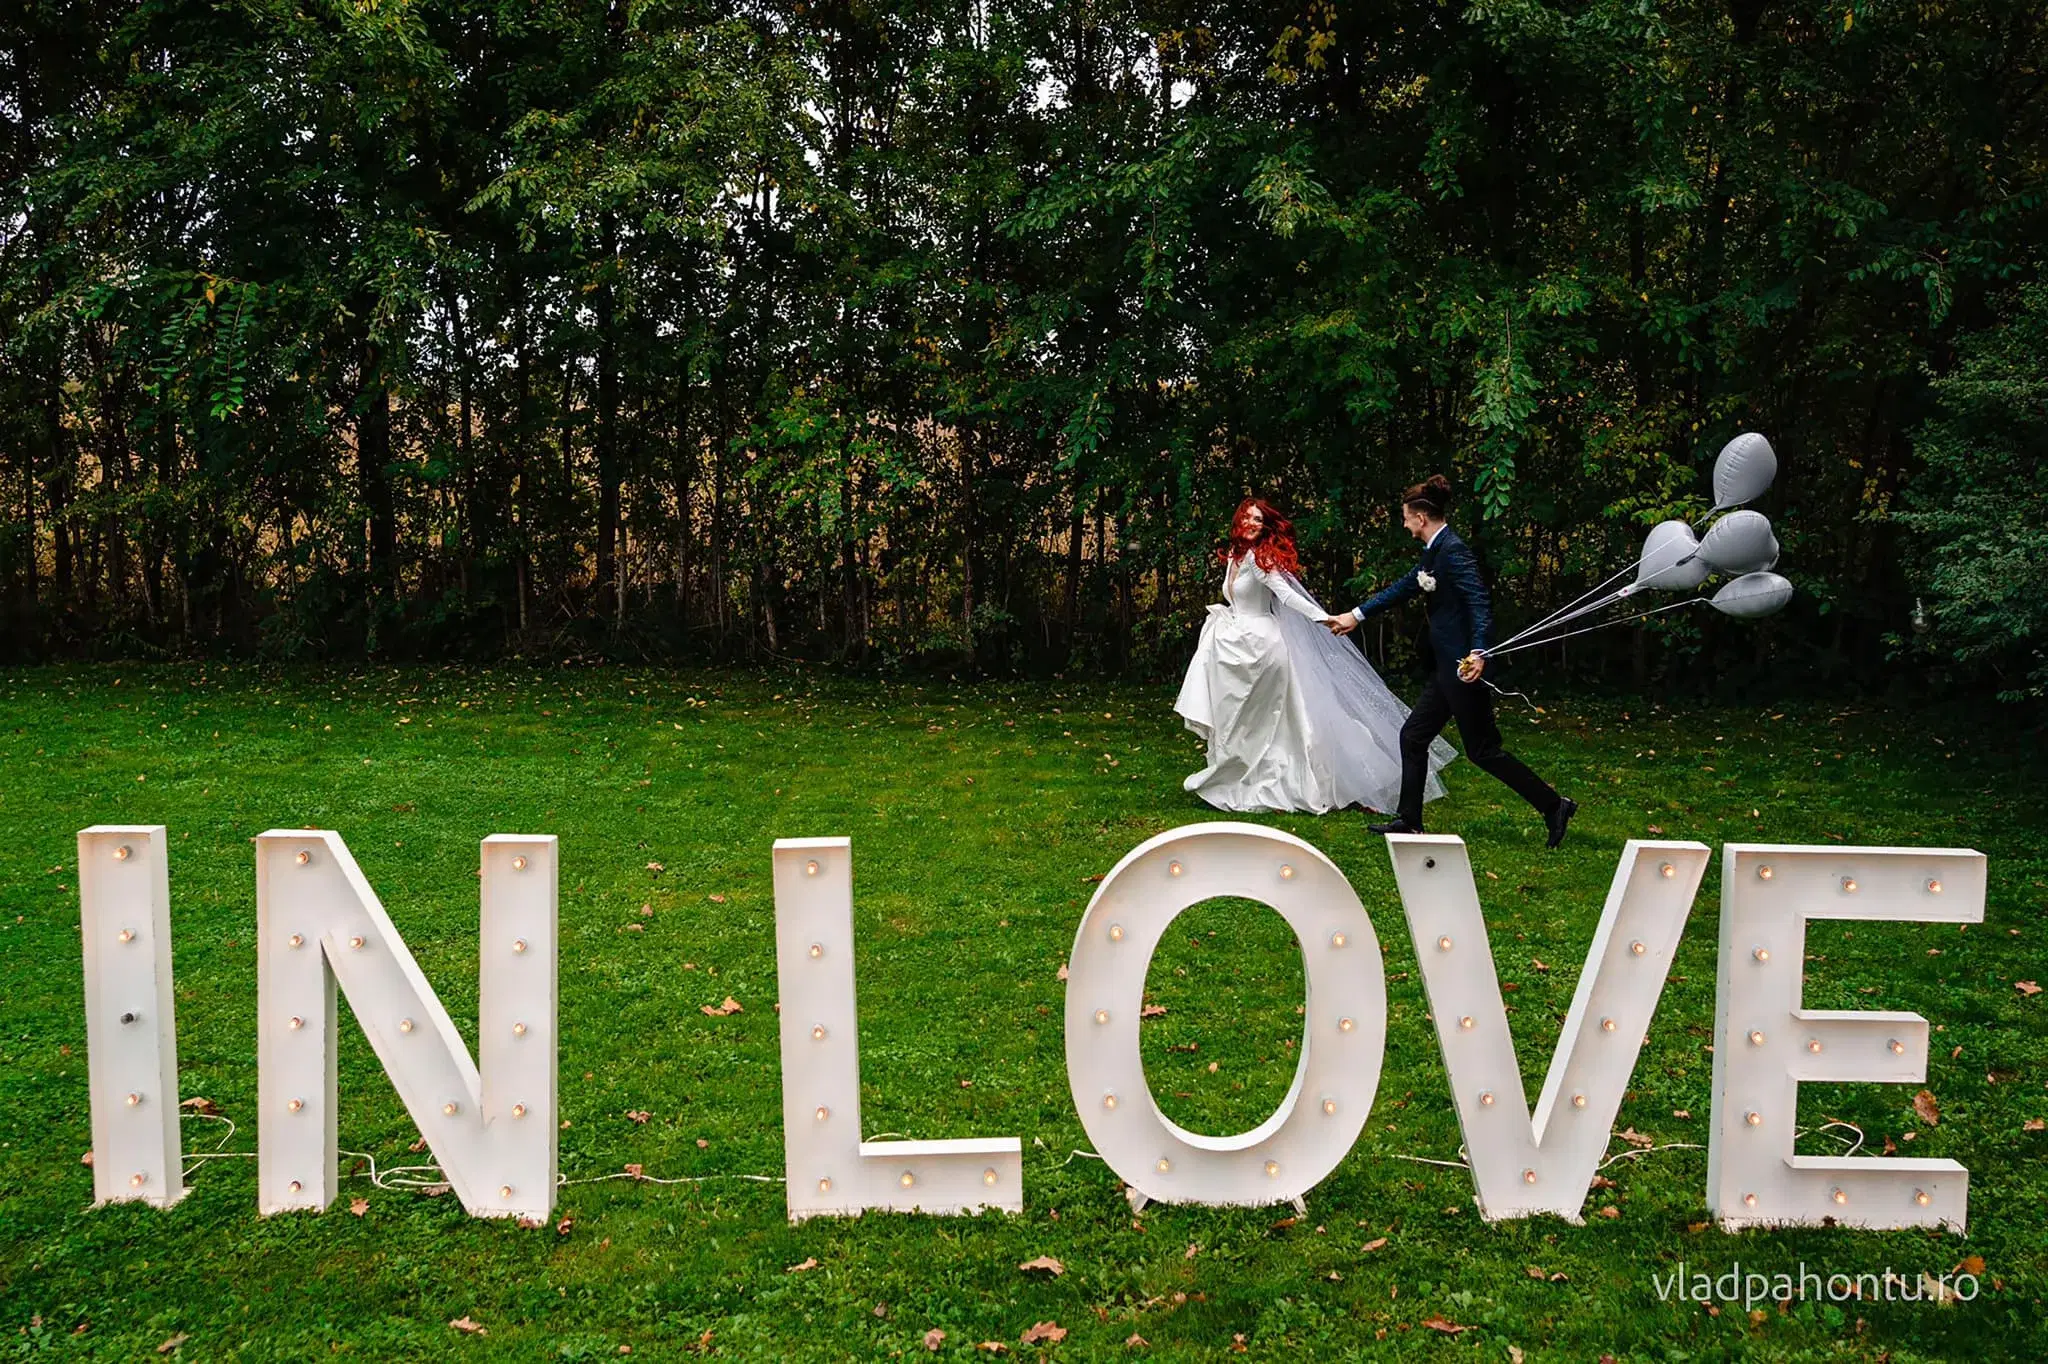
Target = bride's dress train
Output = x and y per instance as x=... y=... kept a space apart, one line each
x=1294 y=718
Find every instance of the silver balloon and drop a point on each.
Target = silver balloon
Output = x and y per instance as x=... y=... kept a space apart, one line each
x=1740 y=542
x=1671 y=559
x=1743 y=470
x=1753 y=595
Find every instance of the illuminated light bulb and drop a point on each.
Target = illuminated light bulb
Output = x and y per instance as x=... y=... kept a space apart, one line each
x=1898 y=1047
x=519 y=944
x=1756 y=1037
x=519 y=1030
x=1753 y=1118
x=1338 y=940
x=1840 y=1197
x=1813 y=1045
x=137 y=1181
x=1667 y=871
x=1749 y=1200
x=1443 y=944
x=295 y=1186
x=451 y=1108
x=1102 y=1015
x=1465 y=1023
x=296 y=940
x=1109 y=1101
x=303 y=859
x=1637 y=947
x=518 y=1110
x=1486 y=1098
x=519 y=864
x=823 y=1113
x=295 y=1105
x=988 y=1177
x=1329 y=1106
x=817 y=950
x=824 y=1186
x=356 y=943
x=127 y=935
x=134 y=1099
x=1760 y=953
x=810 y=868
x=405 y=1025
x=1286 y=873
x=1174 y=869
x=1164 y=1166
x=1848 y=885
x=296 y=1024
x=1933 y=887
x=908 y=1179
x=1920 y=1196
x=1578 y=1101
x=1763 y=873
x=504 y=1191
x=818 y=1033
x=1345 y=1025
x=1528 y=1176
x=1607 y=1025
x=1272 y=1169
x=121 y=853
x=1116 y=932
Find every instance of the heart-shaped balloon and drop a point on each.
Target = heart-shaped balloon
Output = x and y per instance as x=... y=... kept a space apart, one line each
x=1753 y=595
x=1745 y=468
x=1671 y=559
x=1740 y=542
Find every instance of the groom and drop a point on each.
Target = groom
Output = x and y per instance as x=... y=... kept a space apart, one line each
x=1460 y=625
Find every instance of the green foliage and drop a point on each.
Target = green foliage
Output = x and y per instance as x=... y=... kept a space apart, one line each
x=948 y=334
x=1981 y=510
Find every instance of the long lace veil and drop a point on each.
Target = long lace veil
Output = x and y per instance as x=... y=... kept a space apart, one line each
x=1355 y=717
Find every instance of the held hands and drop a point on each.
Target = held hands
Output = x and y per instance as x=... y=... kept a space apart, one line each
x=1472 y=667
x=1342 y=624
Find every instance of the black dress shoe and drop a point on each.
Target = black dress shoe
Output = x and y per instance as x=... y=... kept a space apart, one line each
x=1394 y=826
x=1559 y=817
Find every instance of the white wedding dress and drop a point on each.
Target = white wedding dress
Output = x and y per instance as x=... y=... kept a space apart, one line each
x=1294 y=717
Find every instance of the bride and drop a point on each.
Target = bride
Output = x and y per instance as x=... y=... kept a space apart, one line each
x=1294 y=718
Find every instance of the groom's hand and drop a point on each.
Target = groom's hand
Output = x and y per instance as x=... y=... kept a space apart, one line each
x=1472 y=667
x=1343 y=624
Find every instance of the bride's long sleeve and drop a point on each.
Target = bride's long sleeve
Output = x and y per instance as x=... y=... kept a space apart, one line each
x=1287 y=594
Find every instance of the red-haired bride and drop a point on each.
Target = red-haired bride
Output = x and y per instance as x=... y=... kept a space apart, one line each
x=1294 y=718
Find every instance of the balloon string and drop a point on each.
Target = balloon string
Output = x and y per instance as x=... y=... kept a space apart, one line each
x=1569 y=608
x=1520 y=696
x=1620 y=620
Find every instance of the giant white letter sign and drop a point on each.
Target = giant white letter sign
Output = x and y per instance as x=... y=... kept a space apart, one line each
x=1523 y=1165
x=131 y=1036
x=1765 y=1043
x=830 y=1169
x=1343 y=1037
x=492 y=1128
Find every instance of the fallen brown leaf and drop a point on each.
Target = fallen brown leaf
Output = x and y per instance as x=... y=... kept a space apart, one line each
x=1924 y=1105
x=1635 y=1138
x=468 y=1327
x=1061 y=974
x=731 y=1006
x=1152 y=1011
x=1373 y=1244
x=994 y=1347
x=358 y=1206
x=1046 y=1263
x=1971 y=1264
x=1449 y=1328
x=933 y=1339
x=1044 y=1330
x=639 y=1115
x=200 y=1104
x=2034 y=1124
x=654 y=866
x=173 y=1343
x=1610 y=1211
x=2026 y=987
x=1134 y=1341
x=810 y=1263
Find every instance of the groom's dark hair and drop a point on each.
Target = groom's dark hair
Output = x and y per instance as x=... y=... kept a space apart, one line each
x=1432 y=495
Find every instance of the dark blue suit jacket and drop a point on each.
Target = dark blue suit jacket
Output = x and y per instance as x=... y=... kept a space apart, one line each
x=1460 y=612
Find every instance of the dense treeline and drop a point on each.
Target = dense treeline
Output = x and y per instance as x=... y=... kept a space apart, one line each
x=900 y=330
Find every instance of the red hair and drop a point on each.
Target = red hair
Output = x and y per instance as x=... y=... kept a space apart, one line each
x=1273 y=550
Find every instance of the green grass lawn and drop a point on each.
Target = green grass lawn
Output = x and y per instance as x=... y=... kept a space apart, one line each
x=980 y=815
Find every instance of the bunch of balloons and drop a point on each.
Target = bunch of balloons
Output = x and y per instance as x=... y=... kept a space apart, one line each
x=1740 y=546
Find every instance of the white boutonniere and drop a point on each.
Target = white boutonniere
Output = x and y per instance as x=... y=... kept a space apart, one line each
x=1427 y=581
